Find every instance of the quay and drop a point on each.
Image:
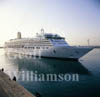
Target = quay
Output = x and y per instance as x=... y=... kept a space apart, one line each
x=10 y=88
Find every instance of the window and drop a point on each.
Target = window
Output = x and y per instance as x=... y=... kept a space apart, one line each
x=46 y=47
x=37 y=47
x=33 y=47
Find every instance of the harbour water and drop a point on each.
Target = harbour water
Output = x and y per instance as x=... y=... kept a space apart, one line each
x=88 y=69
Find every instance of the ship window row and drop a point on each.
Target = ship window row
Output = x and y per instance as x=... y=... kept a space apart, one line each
x=22 y=46
x=32 y=43
x=15 y=46
x=27 y=47
x=36 y=47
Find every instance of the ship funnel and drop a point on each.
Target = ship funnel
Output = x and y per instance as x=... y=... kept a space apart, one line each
x=19 y=35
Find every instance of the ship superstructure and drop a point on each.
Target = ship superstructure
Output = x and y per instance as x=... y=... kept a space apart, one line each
x=45 y=45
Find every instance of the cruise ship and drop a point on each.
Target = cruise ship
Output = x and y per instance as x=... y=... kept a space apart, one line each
x=45 y=45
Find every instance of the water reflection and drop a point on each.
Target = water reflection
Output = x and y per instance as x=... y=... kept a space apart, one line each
x=87 y=86
x=44 y=65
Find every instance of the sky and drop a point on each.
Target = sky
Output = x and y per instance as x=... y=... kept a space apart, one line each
x=76 y=20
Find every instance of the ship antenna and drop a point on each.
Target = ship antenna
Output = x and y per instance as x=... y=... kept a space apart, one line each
x=88 y=42
x=42 y=31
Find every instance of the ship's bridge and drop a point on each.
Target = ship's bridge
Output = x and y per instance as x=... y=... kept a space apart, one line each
x=56 y=40
x=53 y=36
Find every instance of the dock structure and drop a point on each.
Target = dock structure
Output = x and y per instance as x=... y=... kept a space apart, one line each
x=96 y=46
x=10 y=88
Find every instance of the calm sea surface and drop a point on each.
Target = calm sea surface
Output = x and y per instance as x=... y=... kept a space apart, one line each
x=88 y=69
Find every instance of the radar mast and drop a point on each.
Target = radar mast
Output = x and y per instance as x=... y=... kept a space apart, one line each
x=42 y=32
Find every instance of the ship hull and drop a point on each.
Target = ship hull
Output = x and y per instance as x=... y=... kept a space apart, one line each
x=69 y=52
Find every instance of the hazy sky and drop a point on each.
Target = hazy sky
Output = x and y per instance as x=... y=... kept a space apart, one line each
x=77 y=20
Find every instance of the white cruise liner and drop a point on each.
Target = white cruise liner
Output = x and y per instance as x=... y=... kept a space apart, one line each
x=45 y=45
